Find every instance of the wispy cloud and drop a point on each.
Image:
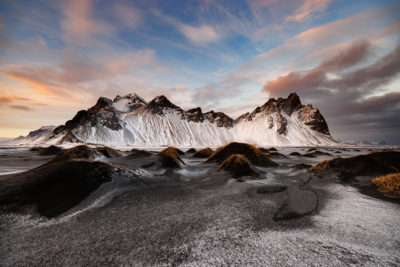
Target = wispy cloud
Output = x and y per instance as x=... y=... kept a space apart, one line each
x=69 y=77
x=18 y=103
x=21 y=107
x=318 y=77
x=307 y=9
x=128 y=15
x=353 y=67
x=202 y=34
x=80 y=25
x=10 y=99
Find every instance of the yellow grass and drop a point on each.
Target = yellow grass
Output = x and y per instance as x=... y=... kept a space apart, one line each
x=234 y=161
x=253 y=147
x=389 y=184
x=203 y=153
x=170 y=152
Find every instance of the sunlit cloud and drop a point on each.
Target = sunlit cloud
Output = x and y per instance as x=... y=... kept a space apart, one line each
x=11 y=99
x=79 y=23
x=201 y=35
x=307 y=9
x=67 y=79
x=129 y=16
x=21 y=107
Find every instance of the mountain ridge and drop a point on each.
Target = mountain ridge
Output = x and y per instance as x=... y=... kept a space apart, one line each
x=130 y=120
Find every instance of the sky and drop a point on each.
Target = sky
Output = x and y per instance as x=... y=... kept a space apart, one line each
x=343 y=57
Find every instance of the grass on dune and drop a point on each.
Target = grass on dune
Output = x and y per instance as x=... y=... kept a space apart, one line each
x=388 y=184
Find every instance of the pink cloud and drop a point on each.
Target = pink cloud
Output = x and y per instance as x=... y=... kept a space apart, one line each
x=307 y=9
x=129 y=16
x=76 y=72
x=201 y=35
x=79 y=24
x=364 y=78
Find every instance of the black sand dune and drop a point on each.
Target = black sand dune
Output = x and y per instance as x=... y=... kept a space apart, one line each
x=55 y=187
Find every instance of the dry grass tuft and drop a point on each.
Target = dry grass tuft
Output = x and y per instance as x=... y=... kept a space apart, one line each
x=323 y=165
x=170 y=157
x=388 y=184
x=203 y=153
x=238 y=165
x=251 y=152
x=171 y=152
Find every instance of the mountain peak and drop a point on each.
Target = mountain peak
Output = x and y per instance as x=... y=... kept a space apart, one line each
x=290 y=104
x=163 y=101
x=159 y=103
x=133 y=97
x=128 y=103
x=102 y=102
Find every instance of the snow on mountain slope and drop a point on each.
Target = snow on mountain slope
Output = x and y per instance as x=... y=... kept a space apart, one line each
x=131 y=121
x=258 y=132
x=35 y=137
x=145 y=129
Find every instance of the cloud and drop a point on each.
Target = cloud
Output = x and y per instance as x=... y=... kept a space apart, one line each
x=307 y=9
x=129 y=16
x=11 y=102
x=202 y=35
x=5 y=100
x=34 y=78
x=350 y=72
x=10 y=99
x=21 y=107
x=317 y=77
x=79 y=24
x=350 y=99
x=263 y=2
x=69 y=78
x=366 y=78
x=310 y=46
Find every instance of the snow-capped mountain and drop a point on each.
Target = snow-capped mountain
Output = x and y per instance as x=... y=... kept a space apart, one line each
x=131 y=121
x=283 y=122
x=35 y=137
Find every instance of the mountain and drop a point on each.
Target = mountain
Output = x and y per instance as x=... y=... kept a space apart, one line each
x=131 y=121
x=35 y=137
x=368 y=143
